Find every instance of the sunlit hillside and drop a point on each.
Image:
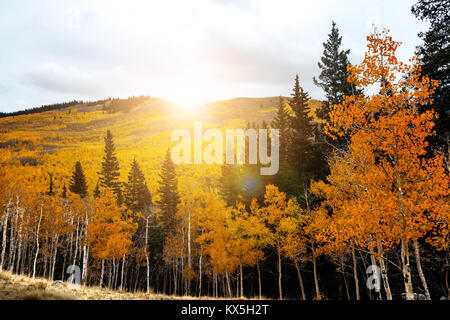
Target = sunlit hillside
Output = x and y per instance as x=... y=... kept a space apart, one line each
x=50 y=142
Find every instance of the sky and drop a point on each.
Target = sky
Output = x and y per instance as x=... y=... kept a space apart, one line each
x=183 y=51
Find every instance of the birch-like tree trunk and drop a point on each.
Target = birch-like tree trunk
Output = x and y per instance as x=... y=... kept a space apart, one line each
x=54 y=257
x=259 y=280
x=316 y=279
x=102 y=273
x=242 y=279
x=122 y=273
x=5 y=229
x=37 y=243
x=147 y=258
x=200 y=275
x=85 y=254
x=355 y=272
x=376 y=275
x=406 y=271
x=188 y=289
x=228 y=285
x=12 y=243
x=419 y=269
x=300 y=279
x=279 y=277
x=384 y=274
x=76 y=243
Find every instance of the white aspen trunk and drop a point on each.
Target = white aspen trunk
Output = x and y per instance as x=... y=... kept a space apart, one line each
x=259 y=280
x=188 y=289
x=19 y=248
x=147 y=256
x=5 y=228
x=85 y=264
x=102 y=273
x=70 y=243
x=19 y=255
x=37 y=243
x=406 y=271
x=316 y=280
x=12 y=245
x=384 y=275
x=300 y=279
x=110 y=282
x=419 y=269
x=54 y=257
x=122 y=273
x=237 y=285
x=279 y=277
x=200 y=276
x=242 y=280
x=85 y=253
x=378 y=281
x=355 y=272
x=76 y=243
x=228 y=284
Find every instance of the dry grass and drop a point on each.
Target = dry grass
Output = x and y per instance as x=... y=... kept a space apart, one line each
x=19 y=287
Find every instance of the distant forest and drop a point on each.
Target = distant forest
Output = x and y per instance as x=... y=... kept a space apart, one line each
x=111 y=105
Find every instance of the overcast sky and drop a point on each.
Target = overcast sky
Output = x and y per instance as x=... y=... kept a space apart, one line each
x=183 y=51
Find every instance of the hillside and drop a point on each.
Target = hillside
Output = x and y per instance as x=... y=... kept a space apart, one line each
x=50 y=142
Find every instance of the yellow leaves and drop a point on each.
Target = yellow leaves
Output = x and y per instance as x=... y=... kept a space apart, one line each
x=110 y=233
x=189 y=273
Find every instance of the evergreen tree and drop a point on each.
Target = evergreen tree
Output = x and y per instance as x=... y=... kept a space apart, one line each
x=50 y=186
x=169 y=197
x=281 y=122
x=333 y=75
x=109 y=174
x=137 y=195
x=97 y=190
x=302 y=130
x=64 y=192
x=229 y=184
x=435 y=56
x=78 y=181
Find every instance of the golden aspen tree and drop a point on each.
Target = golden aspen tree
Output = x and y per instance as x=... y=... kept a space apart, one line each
x=109 y=233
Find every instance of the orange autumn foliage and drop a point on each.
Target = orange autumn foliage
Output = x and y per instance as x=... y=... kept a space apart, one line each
x=384 y=182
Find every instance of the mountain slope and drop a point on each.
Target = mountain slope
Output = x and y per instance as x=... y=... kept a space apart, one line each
x=50 y=142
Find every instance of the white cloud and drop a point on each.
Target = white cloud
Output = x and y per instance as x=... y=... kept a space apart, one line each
x=207 y=49
x=58 y=78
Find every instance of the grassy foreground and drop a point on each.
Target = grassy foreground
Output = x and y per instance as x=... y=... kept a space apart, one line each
x=19 y=287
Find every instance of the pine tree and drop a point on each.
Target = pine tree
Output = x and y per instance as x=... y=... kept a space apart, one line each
x=109 y=173
x=169 y=197
x=333 y=77
x=77 y=183
x=434 y=53
x=137 y=195
x=50 y=186
x=97 y=190
x=64 y=192
x=281 y=122
x=302 y=130
x=229 y=184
